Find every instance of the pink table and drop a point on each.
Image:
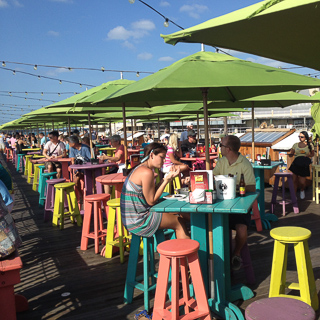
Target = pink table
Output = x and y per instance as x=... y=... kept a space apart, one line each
x=64 y=166
x=212 y=158
x=113 y=179
x=91 y=171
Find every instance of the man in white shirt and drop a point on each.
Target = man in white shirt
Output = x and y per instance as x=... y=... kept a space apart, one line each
x=54 y=149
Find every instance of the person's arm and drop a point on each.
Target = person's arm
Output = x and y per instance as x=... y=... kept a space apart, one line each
x=148 y=187
x=173 y=159
x=115 y=158
x=44 y=153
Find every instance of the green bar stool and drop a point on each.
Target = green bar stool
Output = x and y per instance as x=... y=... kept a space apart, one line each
x=36 y=175
x=43 y=186
x=20 y=162
x=63 y=190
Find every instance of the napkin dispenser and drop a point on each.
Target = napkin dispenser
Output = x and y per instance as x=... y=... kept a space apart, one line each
x=265 y=162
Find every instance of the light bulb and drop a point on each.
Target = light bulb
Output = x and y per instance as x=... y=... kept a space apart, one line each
x=14 y=72
x=35 y=67
x=42 y=93
x=3 y=64
x=166 y=23
x=70 y=69
x=80 y=85
x=138 y=74
x=39 y=77
x=132 y=1
x=60 y=81
x=102 y=69
x=59 y=94
x=26 y=93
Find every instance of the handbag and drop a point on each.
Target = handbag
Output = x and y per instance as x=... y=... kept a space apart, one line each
x=9 y=236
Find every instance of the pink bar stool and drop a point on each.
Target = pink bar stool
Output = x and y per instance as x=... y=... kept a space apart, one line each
x=172 y=252
x=92 y=204
x=279 y=308
x=49 y=202
x=283 y=202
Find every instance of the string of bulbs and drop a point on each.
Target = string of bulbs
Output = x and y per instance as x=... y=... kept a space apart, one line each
x=37 y=92
x=25 y=98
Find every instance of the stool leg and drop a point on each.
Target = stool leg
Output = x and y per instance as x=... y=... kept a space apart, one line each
x=86 y=225
x=110 y=232
x=132 y=268
x=56 y=208
x=74 y=209
x=293 y=196
x=161 y=291
x=96 y=208
x=307 y=286
x=274 y=193
x=175 y=287
x=283 y=197
x=279 y=269
x=61 y=208
x=146 y=270
x=198 y=285
x=185 y=284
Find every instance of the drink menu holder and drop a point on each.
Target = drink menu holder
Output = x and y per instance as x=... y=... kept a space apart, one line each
x=201 y=179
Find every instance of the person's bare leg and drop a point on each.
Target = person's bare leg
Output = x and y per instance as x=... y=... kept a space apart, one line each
x=107 y=189
x=170 y=221
x=302 y=182
x=58 y=173
x=241 y=238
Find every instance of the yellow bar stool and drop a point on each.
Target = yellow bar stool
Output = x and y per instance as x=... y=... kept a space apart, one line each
x=315 y=183
x=30 y=171
x=121 y=239
x=298 y=237
x=26 y=167
x=62 y=190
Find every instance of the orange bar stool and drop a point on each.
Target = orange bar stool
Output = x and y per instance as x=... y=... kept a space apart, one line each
x=173 y=253
x=9 y=154
x=123 y=240
x=92 y=205
x=65 y=189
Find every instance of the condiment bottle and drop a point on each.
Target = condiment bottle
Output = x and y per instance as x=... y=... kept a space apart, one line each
x=242 y=186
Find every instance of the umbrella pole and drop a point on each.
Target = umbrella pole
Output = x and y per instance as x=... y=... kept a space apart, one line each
x=110 y=129
x=210 y=234
x=52 y=125
x=90 y=134
x=252 y=128
x=124 y=133
x=158 y=129
x=69 y=128
x=198 y=127
x=45 y=130
x=131 y=131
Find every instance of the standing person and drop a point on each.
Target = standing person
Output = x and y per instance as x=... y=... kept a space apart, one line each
x=235 y=163
x=139 y=194
x=2 y=145
x=12 y=141
x=20 y=145
x=43 y=140
x=302 y=151
x=54 y=149
x=184 y=134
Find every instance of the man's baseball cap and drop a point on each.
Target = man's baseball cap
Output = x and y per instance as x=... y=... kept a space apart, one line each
x=192 y=133
x=189 y=124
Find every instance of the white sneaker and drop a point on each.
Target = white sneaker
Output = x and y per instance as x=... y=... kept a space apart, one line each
x=302 y=194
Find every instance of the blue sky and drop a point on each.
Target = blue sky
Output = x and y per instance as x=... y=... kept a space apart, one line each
x=113 y=34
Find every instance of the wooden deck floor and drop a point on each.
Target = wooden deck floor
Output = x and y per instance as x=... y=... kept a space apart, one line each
x=54 y=264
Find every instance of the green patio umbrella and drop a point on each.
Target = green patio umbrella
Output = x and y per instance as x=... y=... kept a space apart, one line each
x=285 y=30
x=211 y=77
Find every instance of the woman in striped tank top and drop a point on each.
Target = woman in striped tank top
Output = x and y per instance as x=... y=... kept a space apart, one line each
x=139 y=194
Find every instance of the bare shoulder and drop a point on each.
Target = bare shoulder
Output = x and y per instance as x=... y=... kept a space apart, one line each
x=141 y=173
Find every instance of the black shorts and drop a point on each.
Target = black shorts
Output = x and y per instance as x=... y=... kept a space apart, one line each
x=235 y=219
x=301 y=166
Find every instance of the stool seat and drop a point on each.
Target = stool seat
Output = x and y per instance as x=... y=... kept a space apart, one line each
x=290 y=234
x=55 y=181
x=97 y=197
x=178 y=247
x=279 y=308
x=64 y=185
x=114 y=202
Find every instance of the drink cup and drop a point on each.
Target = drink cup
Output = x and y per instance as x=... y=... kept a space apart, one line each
x=188 y=155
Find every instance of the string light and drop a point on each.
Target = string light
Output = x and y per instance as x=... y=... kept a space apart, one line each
x=14 y=96
x=60 y=81
x=166 y=23
x=138 y=74
x=14 y=72
x=103 y=69
x=35 y=67
x=39 y=92
x=3 y=64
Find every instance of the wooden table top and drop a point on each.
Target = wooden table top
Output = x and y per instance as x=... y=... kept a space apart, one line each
x=111 y=178
x=89 y=165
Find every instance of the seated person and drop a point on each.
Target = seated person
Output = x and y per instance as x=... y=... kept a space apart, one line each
x=190 y=143
x=235 y=163
x=94 y=150
x=6 y=196
x=145 y=139
x=52 y=150
x=139 y=194
x=78 y=149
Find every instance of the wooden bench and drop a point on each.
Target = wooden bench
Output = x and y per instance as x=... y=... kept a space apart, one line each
x=9 y=276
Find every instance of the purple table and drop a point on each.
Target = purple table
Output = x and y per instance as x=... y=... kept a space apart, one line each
x=90 y=172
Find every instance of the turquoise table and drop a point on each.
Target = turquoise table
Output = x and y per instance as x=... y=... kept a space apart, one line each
x=224 y=294
x=259 y=175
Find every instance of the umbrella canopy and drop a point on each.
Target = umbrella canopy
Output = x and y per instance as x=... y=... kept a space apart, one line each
x=282 y=30
x=211 y=77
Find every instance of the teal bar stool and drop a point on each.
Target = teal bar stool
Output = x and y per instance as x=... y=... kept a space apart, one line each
x=20 y=162
x=41 y=172
x=43 y=186
x=142 y=282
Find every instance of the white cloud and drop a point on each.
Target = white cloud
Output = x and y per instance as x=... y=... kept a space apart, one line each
x=165 y=4
x=57 y=71
x=267 y=62
x=144 y=56
x=194 y=10
x=16 y=3
x=128 y=44
x=166 y=59
x=138 y=30
x=3 y=4
x=119 y=33
x=53 y=33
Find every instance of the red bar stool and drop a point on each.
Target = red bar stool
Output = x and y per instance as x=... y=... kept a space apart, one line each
x=9 y=154
x=283 y=202
x=92 y=204
x=172 y=252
